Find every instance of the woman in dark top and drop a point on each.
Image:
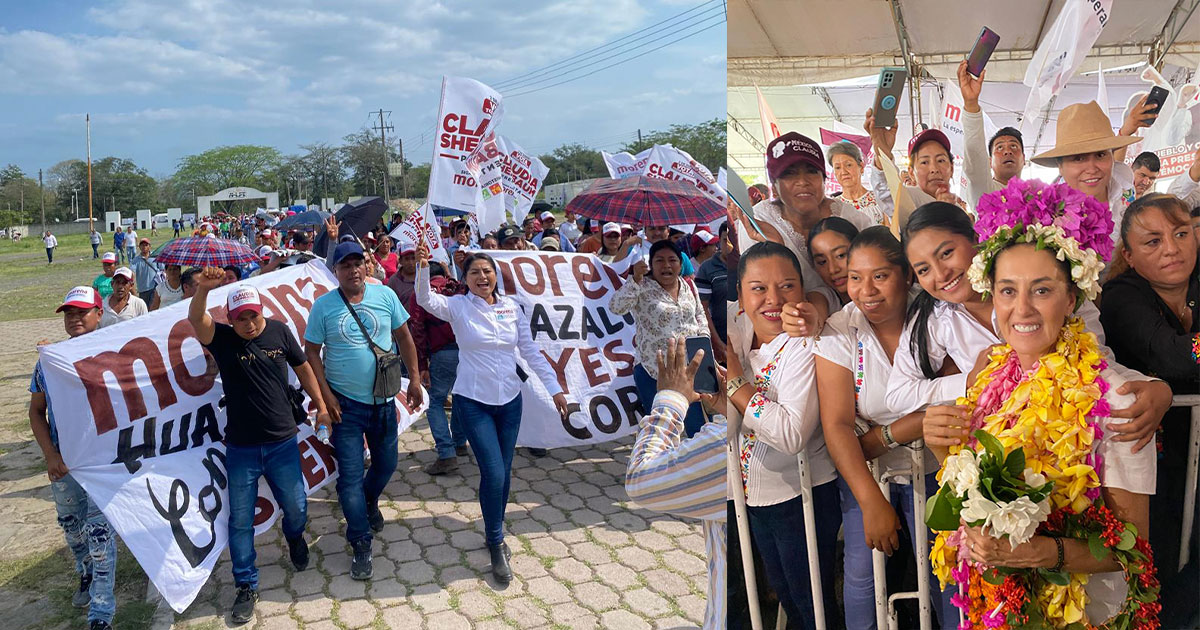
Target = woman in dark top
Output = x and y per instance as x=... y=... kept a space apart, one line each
x=1152 y=315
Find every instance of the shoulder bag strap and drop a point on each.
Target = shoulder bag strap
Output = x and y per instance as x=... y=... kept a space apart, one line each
x=361 y=327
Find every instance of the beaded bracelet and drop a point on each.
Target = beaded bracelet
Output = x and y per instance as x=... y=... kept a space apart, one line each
x=1059 y=544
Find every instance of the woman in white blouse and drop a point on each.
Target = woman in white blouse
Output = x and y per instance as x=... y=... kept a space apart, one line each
x=854 y=357
x=490 y=330
x=950 y=324
x=664 y=307
x=773 y=386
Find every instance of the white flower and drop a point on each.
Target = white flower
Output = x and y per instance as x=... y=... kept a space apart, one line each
x=1018 y=519
x=1035 y=480
x=978 y=508
x=961 y=471
x=978 y=276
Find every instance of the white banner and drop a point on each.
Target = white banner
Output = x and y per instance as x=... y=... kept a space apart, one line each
x=622 y=165
x=950 y=122
x=1062 y=49
x=141 y=421
x=566 y=297
x=419 y=226
x=487 y=167
x=468 y=111
x=523 y=177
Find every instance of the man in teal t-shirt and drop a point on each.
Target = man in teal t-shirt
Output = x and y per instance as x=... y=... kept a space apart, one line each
x=103 y=282
x=346 y=375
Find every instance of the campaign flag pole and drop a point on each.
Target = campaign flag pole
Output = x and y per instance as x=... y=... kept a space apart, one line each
x=88 y=118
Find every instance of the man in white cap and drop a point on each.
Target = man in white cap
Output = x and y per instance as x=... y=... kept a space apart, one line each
x=268 y=260
x=253 y=354
x=122 y=304
x=103 y=282
x=89 y=535
x=703 y=245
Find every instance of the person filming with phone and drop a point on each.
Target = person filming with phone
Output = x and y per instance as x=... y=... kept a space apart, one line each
x=664 y=305
x=490 y=329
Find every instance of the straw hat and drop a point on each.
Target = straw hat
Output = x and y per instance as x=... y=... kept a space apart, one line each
x=1082 y=128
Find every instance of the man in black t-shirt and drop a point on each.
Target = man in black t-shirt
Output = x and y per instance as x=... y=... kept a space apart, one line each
x=252 y=354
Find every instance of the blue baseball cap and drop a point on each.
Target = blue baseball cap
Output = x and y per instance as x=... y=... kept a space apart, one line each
x=347 y=249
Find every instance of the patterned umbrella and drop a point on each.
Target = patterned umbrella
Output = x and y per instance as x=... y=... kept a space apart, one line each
x=201 y=251
x=646 y=200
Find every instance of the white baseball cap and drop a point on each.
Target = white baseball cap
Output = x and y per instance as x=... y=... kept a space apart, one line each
x=82 y=297
x=243 y=299
x=265 y=251
x=546 y=214
x=125 y=272
x=108 y=257
x=705 y=237
x=612 y=228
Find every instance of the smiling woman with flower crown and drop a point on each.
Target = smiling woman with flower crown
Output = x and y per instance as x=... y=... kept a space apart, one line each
x=1042 y=403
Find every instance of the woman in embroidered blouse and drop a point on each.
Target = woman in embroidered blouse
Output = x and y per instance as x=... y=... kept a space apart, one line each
x=854 y=358
x=828 y=247
x=1156 y=306
x=664 y=306
x=846 y=160
x=778 y=402
x=950 y=323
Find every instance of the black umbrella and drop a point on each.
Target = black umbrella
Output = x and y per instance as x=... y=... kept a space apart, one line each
x=308 y=218
x=357 y=218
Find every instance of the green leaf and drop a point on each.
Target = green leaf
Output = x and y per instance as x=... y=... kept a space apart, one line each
x=991 y=444
x=940 y=512
x=1131 y=528
x=1061 y=578
x=993 y=577
x=1127 y=540
x=1096 y=546
x=1015 y=463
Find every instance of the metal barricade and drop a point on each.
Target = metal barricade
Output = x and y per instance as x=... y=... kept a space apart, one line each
x=1189 y=494
x=885 y=605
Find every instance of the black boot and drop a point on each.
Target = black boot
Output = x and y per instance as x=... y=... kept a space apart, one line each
x=375 y=519
x=298 y=552
x=243 y=606
x=500 y=569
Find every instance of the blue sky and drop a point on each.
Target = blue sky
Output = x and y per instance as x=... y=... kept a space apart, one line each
x=165 y=79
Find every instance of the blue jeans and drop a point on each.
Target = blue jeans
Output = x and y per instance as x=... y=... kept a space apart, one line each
x=443 y=366
x=95 y=250
x=130 y=252
x=647 y=388
x=359 y=489
x=279 y=462
x=492 y=432
x=858 y=586
x=93 y=542
x=778 y=532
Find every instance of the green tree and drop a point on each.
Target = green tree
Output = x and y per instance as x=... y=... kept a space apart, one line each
x=416 y=180
x=572 y=162
x=9 y=173
x=705 y=142
x=322 y=171
x=363 y=154
x=224 y=167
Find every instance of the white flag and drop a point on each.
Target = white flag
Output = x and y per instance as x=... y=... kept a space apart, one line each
x=523 y=177
x=468 y=111
x=1061 y=51
x=1102 y=91
x=487 y=168
x=420 y=226
x=770 y=125
x=667 y=162
x=622 y=165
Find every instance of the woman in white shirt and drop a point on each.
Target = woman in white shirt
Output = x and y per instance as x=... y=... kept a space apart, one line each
x=123 y=304
x=490 y=330
x=773 y=386
x=828 y=247
x=854 y=357
x=170 y=289
x=664 y=307
x=950 y=324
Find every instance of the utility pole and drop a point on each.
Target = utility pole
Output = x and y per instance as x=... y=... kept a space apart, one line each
x=403 y=175
x=383 y=128
x=42 y=197
x=639 y=136
x=89 y=158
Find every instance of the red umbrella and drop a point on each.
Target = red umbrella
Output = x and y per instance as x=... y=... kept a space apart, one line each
x=646 y=200
x=202 y=251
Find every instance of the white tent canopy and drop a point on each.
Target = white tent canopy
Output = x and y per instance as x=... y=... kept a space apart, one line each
x=817 y=61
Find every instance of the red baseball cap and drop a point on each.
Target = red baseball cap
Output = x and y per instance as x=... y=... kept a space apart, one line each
x=243 y=299
x=108 y=257
x=793 y=148
x=929 y=135
x=82 y=297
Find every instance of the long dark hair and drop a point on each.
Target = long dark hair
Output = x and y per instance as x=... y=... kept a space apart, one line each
x=944 y=216
x=487 y=259
x=881 y=238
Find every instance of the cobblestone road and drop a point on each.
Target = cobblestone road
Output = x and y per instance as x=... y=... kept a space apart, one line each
x=583 y=555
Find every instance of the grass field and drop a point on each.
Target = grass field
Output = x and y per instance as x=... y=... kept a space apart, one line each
x=32 y=289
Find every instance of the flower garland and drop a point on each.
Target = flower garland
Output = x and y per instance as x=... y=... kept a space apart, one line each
x=1051 y=412
x=1076 y=226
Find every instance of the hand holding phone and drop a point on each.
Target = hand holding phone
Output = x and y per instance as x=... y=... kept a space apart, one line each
x=1155 y=100
x=705 y=381
x=981 y=52
x=887 y=96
